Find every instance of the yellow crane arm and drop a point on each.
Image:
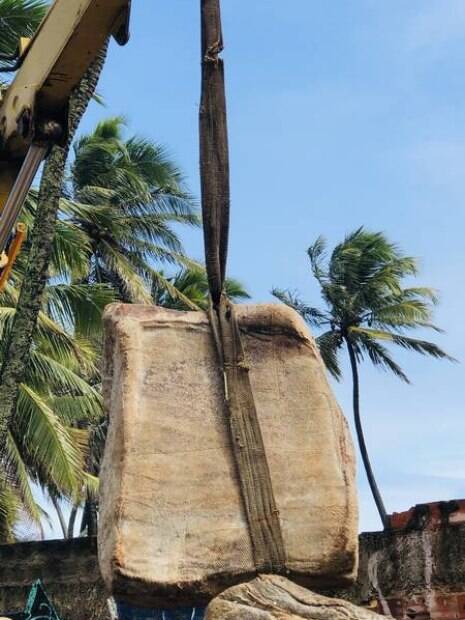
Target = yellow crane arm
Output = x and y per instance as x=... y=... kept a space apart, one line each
x=34 y=108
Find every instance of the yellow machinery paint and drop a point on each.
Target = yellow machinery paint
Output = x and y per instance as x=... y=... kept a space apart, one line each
x=34 y=108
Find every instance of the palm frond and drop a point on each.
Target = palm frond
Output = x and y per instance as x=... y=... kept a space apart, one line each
x=18 y=18
x=79 y=307
x=316 y=253
x=77 y=409
x=191 y=284
x=71 y=251
x=10 y=510
x=329 y=344
x=176 y=297
x=132 y=284
x=44 y=372
x=48 y=442
x=419 y=346
x=22 y=481
x=378 y=354
x=311 y=315
x=361 y=283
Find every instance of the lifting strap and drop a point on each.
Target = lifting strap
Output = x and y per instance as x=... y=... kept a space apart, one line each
x=246 y=437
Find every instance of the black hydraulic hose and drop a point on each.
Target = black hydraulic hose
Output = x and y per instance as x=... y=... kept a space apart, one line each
x=17 y=196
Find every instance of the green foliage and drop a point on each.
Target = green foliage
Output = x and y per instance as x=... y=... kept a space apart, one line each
x=46 y=445
x=18 y=18
x=10 y=506
x=192 y=284
x=366 y=304
x=59 y=399
x=128 y=199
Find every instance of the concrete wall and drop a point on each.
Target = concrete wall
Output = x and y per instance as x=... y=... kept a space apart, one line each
x=416 y=574
x=417 y=570
x=68 y=570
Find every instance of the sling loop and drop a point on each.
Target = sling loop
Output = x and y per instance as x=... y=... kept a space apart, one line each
x=214 y=152
x=246 y=437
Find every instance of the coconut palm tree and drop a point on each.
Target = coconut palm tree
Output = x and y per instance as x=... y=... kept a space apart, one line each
x=59 y=398
x=19 y=340
x=367 y=308
x=77 y=308
x=47 y=441
x=144 y=179
x=128 y=197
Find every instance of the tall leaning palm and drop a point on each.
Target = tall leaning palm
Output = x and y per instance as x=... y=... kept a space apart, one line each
x=367 y=307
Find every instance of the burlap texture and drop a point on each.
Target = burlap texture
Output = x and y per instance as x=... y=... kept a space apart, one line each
x=172 y=528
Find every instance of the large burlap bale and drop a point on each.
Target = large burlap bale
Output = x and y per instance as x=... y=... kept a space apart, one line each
x=270 y=597
x=172 y=527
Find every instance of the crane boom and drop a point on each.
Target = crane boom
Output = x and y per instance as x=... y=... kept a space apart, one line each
x=34 y=108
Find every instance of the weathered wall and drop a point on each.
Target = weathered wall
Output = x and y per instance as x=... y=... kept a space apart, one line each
x=420 y=573
x=416 y=571
x=68 y=570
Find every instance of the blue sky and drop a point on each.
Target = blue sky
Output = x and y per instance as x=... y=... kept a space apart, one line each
x=341 y=114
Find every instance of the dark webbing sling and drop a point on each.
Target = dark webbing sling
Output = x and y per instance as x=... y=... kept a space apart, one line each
x=246 y=437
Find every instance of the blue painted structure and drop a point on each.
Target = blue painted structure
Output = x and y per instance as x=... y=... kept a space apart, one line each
x=128 y=612
x=38 y=606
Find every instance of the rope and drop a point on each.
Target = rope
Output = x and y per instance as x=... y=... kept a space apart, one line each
x=246 y=437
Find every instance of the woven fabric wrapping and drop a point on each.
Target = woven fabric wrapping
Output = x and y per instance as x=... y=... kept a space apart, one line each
x=173 y=529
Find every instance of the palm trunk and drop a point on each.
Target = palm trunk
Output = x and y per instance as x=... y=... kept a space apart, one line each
x=92 y=524
x=89 y=524
x=61 y=518
x=72 y=520
x=361 y=439
x=17 y=350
